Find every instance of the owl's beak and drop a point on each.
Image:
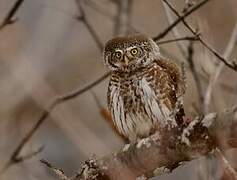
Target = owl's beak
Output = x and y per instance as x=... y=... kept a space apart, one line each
x=126 y=60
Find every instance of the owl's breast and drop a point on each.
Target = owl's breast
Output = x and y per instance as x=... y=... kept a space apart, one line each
x=129 y=113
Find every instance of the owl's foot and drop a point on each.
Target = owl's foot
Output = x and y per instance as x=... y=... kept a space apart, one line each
x=187 y=121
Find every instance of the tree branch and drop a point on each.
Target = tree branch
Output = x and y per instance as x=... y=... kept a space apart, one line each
x=180 y=19
x=15 y=156
x=177 y=39
x=160 y=154
x=9 y=17
x=231 y=65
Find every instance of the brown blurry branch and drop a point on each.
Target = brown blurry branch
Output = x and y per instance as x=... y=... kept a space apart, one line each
x=231 y=65
x=15 y=158
x=158 y=154
x=180 y=19
x=9 y=17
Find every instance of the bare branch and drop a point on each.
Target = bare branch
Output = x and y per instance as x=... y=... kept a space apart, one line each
x=59 y=172
x=231 y=65
x=180 y=19
x=9 y=17
x=16 y=160
x=181 y=45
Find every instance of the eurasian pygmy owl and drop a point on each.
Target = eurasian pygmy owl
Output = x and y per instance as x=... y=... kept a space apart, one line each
x=144 y=87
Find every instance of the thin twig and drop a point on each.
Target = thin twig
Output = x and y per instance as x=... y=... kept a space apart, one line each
x=176 y=34
x=84 y=20
x=9 y=17
x=59 y=172
x=180 y=19
x=185 y=38
x=17 y=160
x=214 y=77
x=232 y=65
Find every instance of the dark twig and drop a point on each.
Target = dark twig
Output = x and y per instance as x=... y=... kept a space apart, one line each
x=9 y=17
x=17 y=160
x=232 y=65
x=175 y=31
x=59 y=172
x=186 y=38
x=180 y=19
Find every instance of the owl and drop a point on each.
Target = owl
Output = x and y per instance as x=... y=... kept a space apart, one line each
x=145 y=89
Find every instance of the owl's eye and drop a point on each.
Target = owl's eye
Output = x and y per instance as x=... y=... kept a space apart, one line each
x=134 y=51
x=118 y=55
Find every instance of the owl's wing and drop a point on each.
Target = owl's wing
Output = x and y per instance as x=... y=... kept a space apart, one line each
x=169 y=88
x=175 y=73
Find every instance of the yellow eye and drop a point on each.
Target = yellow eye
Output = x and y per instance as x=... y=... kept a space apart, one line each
x=134 y=51
x=118 y=55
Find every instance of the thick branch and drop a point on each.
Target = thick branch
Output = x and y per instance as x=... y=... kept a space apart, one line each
x=158 y=154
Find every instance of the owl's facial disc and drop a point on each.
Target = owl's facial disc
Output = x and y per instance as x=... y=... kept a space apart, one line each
x=129 y=53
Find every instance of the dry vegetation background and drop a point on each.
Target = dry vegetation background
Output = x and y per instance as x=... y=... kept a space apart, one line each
x=48 y=52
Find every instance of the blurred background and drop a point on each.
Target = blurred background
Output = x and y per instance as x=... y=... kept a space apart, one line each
x=49 y=52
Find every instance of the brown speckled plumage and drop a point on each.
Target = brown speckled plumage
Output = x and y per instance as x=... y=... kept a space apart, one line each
x=144 y=90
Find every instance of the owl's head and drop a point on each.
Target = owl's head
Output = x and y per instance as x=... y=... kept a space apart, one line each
x=129 y=53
